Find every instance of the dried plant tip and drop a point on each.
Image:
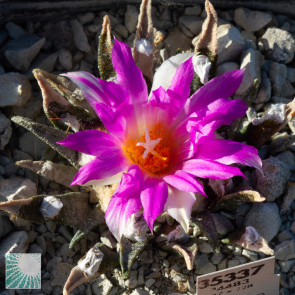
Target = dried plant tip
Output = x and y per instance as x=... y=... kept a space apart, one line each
x=202 y=67
x=178 y=235
x=50 y=207
x=144 y=40
x=208 y=39
x=251 y=240
x=90 y=264
x=105 y=46
x=188 y=253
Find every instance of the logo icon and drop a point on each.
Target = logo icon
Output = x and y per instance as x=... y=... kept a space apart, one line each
x=23 y=271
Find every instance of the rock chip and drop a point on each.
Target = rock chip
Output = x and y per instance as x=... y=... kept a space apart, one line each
x=65 y=59
x=291 y=74
x=264 y=92
x=15 y=31
x=45 y=62
x=5 y=131
x=250 y=39
x=278 y=75
x=131 y=17
x=272 y=182
x=260 y=216
x=285 y=250
x=287 y=90
x=175 y=40
x=251 y=60
x=15 y=89
x=223 y=225
x=288 y=158
x=278 y=44
x=5 y=226
x=21 y=52
x=79 y=36
x=17 y=188
x=59 y=274
x=230 y=43
x=227 y=67
x=101 y=286
x=191 y=23
x=251 y=20
x=15 y=242
x=288 y=198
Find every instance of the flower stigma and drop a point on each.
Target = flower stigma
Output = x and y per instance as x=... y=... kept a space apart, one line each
x=151 y=151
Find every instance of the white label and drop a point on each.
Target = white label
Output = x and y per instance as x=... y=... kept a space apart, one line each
x=254 y=278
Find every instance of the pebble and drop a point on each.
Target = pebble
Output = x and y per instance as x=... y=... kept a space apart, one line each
x=16 y=188
x=291 y=74
x=251 y=255
x=79 y=36
x=264 y=92
x=280 y=142
x=205 y=247
x=222 y=224
x=15 y=242
x=139 y=291
x=190 y=25
x=202 y=264
x=193 y=10
x=278 y=75
x=278 y=45
x=230 y=43
x=272 y=182
x=22 y=51
x=288 y=198
x=131 y=17
x=176 y=39
x=52 y=262
x=216 y=258
x=15 y=89
x=250 y=40
x=14 y=31
x=65 y=59
x=121 y=30
x=64 y=231
x=86 y=18
x=101 y=286
x=59 y=274
x=45 y=62
x=5 y=131
x=251 y=20
x=285 y=250
x=5 y=226
x=150 y=282
x=288 y=158
x=259 y=217
x=227 y=67
x=46 y=287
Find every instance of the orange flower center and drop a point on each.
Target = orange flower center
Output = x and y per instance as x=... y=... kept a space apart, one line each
x=152 y=151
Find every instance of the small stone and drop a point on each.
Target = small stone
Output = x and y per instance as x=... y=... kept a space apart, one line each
x=288 y=158
x=15 y=242
x=259 y=217
x=41 y=243
x=193 y=10
x=287 y=90
x=285 y=235
x=50 y=249
x=288 y=198
x=272 y=182
x=80 y=38
x=230 y=43
x=21 y=52
x=65 y=59
x=291 y=74
x=280 y=142
x=251 y=60
x=46 y=287
x=5 y=131
x=59 y=274
x=222 y=224
x=131 y=17
x=205 y=247
x=15 y=31
x=131 y=283
x=86 y=18
x=150 y=282
x=15 y=90
x=121 y=30
x=5 y=226
x=264 y=92
x=278 y=99
x=64 y=231
x=101 y=286
x=250 y=40
x=191 y=23
x=216 y=258
x=51 y=263
x=34 y=248
x=285 y=250
x=41 y=229
x=251 y=20
x=45 y=62
x=203 y=265
x=51 y=226
x=108 y=239
x=139 y=291
x=278 y=44
x=251 y=255
x=278 y=75
x=286 y=265
x=222 y=265
x=227 y=67
x=17 y=188
x=65 y=251
x=175 y=40
x=232 y=263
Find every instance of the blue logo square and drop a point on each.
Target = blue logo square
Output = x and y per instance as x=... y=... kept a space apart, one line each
x=23 y=270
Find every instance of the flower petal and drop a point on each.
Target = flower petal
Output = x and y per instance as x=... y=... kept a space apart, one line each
x=153 y=198
x=210 y=169
x=179 y=205
x=125 y=201
x=229 y=152
x=129 y=75
x=91 y=142
x=221 y=86
x=101 y=168
x=184 y=182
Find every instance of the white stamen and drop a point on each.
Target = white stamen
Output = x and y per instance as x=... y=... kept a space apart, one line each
x=202 y=66
x=149 y=145
x=144 y=46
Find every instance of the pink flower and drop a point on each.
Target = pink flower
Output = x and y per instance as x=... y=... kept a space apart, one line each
x=161 y=143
